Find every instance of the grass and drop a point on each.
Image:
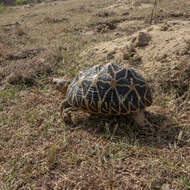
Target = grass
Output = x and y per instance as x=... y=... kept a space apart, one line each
x=186 y=183
x=39 y=151
x=52 y=156
x=8 y=94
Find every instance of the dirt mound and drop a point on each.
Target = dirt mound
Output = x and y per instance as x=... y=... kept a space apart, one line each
x=170 y=44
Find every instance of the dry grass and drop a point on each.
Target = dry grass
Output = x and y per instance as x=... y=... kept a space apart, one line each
x=38 y=150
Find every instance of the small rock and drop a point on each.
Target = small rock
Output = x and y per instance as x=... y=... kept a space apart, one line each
x=165 y=187
x=28 y=6
x=131 y=55
x=116 y=34
x=142 y=39
x=165 y=27
x=110 y=55
x=125 y=13
x=19 y=32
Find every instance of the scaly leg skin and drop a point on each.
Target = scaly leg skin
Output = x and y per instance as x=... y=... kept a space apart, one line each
x=66 y=111
x=142 y=121
x=140 y=118
x=64 y=105
x=66 y=115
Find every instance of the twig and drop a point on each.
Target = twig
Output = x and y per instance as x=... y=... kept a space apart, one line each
x=153 y=10
x=16 y=23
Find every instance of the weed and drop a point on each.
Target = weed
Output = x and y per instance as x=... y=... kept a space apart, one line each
x=52 y=156
x=33 y=117
x=2 y=123
x=19 y=133
x=186 y=183
x=64 y=139
x=21 y=2
x=73 y=73
x=2 y=8
x=45 y=127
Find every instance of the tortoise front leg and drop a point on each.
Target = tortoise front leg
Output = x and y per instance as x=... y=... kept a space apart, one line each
x=66 y=111
x=64 y=106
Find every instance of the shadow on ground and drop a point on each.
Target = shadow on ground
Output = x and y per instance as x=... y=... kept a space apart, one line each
x=163 y=133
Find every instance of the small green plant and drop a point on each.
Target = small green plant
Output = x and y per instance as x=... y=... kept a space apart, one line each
x=2 y=7
x=186 y=183
x=33 y=118
x=52 y=156
x=73 y=73
x=21 y=2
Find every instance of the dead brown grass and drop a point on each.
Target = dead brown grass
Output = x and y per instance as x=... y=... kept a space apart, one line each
x=38 y=150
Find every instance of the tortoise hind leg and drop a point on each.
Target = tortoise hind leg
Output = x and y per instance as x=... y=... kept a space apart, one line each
x=139 y=118
x=142 y=120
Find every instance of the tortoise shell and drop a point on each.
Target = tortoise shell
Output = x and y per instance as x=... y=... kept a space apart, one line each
x=109 y=89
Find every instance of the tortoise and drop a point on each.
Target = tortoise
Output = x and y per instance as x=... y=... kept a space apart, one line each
x=107 y=89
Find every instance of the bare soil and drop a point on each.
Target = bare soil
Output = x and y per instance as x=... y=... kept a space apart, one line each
x=47 y=39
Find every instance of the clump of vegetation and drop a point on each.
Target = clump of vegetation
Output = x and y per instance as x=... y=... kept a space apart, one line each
x=177 y=80
x=131 y=55
x=29 y=75
x=2 y=7
x=21 y=78
x=21 y=2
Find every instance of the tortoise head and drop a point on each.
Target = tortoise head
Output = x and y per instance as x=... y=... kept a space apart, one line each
x=61 y=85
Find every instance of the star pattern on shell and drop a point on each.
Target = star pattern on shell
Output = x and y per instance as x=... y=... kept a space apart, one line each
x=110 y=90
